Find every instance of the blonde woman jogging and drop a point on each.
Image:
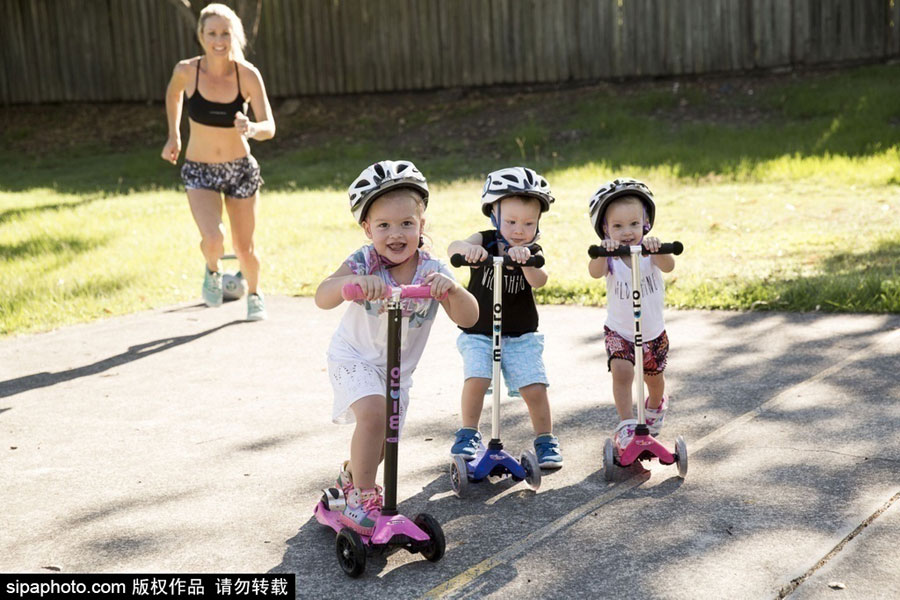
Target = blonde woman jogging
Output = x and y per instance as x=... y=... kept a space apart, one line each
x=218 y=163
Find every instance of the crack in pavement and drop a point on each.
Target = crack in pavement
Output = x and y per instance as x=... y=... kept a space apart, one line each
x=795 y=583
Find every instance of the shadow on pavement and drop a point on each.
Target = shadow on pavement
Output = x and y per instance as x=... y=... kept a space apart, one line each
x=812 y=487
x=25 y=383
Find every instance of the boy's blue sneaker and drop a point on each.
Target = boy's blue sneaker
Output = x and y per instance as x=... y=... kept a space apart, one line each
x=467 y=441
x=547 y=449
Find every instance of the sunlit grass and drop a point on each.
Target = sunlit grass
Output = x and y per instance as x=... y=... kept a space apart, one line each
x=795 y=209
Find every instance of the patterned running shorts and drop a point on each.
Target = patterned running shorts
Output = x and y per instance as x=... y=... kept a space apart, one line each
x=236 y=179
x=655 y=351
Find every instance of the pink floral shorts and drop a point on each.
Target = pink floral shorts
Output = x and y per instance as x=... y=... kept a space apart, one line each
x=655 y=351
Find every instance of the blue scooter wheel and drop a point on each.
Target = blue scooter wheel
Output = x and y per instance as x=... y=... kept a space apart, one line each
x=459 y=476
x=532 y=468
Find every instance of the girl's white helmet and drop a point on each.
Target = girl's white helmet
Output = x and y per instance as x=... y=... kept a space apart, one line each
x=514 y=181
x=379 y=178
x=608 y=192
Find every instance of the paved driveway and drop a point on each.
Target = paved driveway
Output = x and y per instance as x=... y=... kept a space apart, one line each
x=185 y=440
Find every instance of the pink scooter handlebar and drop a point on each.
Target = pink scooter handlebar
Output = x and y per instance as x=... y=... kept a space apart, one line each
x=352 y=291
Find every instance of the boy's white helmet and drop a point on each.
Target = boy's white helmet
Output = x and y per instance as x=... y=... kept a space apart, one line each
x=617 y=188
x=514 y=181
x=380 y=177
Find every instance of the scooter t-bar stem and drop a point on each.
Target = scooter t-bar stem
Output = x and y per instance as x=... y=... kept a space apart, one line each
x=496 y=332
x=392 y=409
x=675 y=248
x=637 y=298
x=458 y=260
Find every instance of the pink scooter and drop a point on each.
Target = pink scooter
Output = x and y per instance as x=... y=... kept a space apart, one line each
x=422 y=533
x=643 y=446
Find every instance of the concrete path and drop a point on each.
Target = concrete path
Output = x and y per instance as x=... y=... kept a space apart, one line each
x=185 y=440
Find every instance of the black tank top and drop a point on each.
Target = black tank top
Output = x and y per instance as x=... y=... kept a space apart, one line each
x=214 y=114
x=519 y=311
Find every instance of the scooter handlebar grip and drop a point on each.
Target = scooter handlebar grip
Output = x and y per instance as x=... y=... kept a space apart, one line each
x=458 y=260
x=667 y=248
x=352 y=291
x=534 y=261
x=415 y=291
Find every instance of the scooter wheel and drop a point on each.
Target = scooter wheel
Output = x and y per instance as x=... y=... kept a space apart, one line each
x=459 y=476
x=610 y=470
x=351 y=552
x=437 y=543
x=532 y=468
x=681 y=451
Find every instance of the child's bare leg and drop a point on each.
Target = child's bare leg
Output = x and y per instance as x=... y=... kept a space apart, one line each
x=656 y=387
x=473 y=400
x=367 y=444
x=535 y=397
x=623 y=378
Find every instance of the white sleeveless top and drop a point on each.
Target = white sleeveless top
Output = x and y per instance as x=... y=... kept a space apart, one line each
x=620 y=312
x=362 y=332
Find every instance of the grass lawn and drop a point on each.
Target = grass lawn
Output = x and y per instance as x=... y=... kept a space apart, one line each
x=784 y=190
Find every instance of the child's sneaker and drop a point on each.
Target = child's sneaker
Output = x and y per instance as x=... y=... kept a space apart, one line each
x=624 y=434
x=256 y=308
x=547 y=449
x=466 y=444
x=362 y=510
x=654 y=416
x=345 y=479
x=212 y=287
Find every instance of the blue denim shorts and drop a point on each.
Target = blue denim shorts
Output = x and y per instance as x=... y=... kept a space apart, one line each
x=522 y=360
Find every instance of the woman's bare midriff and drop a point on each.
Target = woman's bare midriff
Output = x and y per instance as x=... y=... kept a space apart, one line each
x=215 y=144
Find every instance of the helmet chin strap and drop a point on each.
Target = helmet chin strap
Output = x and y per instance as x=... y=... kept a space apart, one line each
x=499 y=240
x=387 y=263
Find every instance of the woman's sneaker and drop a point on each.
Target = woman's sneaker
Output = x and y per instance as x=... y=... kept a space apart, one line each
x=624 y=433
x=547 y=449
x=362 y=510
x=654 y=416
x=212 y=287
x=256 y=308
x=467 y=441
x=345 y=479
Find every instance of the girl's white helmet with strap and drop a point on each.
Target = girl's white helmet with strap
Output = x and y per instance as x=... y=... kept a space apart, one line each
x=514 y=181
x=380 y=177
x=608 y=192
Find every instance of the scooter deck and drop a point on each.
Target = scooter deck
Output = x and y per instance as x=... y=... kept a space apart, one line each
x=390 y=530
x=645 y=447
x=495 y=463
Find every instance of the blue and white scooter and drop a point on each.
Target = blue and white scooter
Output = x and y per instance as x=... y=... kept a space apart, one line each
x=493 y=462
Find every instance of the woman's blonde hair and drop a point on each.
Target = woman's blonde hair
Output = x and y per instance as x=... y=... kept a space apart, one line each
x=238 y=39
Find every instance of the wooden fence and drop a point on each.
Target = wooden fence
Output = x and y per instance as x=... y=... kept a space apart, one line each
x=111 y=50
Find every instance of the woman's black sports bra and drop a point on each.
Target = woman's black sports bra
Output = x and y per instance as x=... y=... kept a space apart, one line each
x=214 y=114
